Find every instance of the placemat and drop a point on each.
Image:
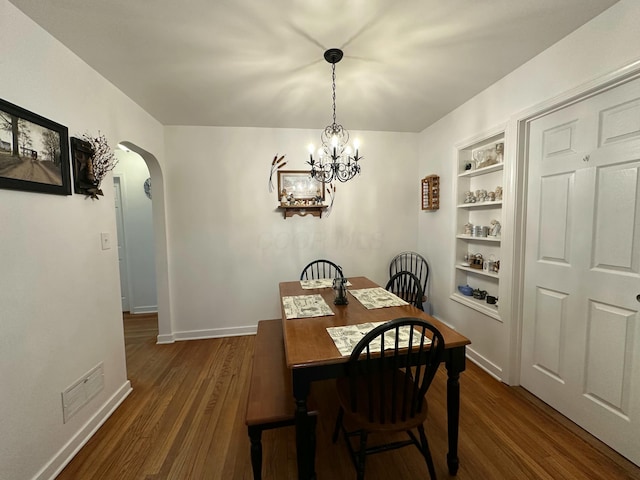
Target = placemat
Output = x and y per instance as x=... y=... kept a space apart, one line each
x=347 y=337
x=319 y=283
x=305 y=306
x=377 y=297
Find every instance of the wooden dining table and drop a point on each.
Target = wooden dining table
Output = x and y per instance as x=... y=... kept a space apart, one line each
x=312 y=355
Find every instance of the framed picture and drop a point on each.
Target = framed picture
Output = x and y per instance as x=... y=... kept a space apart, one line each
x=34 y=152
x=299 y=184
x=81 y=153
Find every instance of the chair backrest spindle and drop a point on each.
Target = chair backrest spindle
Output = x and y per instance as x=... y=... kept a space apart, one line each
x=402 y=374
x=411 y=262
x=406 y=285
x=321 y=269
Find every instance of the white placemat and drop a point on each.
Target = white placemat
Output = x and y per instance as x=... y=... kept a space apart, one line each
x=319 y=283
x=305 y=306
x=346 y=338
x=377 y=297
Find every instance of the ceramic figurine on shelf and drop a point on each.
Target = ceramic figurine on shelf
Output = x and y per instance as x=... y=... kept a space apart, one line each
x=495 y=228
x=491 y=196
x=478 y=158
x=498 y=193
x=500 y=152
x=468 y=227
x=284 y=199
x=469 y=198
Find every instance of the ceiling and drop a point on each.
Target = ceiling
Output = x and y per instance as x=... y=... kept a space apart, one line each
x=260 y=63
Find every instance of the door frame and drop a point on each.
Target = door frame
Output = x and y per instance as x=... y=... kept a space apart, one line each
x=516 y=177
x=120 y=178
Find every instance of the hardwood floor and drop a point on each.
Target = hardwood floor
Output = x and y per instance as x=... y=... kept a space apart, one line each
x=185 y=420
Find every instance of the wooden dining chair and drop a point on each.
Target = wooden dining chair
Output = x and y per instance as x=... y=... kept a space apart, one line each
x=321 y=269
x=411 y=262
x=384 y=392
x=406 y=286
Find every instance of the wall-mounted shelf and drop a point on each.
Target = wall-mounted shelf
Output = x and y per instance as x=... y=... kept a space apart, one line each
x=290 y=211
x=431 y=192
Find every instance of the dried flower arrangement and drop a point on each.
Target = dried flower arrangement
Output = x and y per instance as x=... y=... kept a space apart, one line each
x=102 y=161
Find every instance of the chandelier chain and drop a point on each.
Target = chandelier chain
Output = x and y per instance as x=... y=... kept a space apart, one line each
x=333 y=86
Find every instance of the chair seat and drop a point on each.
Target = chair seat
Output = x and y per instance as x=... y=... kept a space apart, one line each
x=367 y=417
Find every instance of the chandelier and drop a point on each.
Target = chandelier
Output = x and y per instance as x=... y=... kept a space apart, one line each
x=335 y=160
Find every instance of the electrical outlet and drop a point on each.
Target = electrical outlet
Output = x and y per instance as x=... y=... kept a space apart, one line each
x=105 y=238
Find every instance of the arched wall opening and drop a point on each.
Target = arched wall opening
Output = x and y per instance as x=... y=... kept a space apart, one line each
x=165 y=329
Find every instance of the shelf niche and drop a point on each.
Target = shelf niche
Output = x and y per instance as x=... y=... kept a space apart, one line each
x=488 y=152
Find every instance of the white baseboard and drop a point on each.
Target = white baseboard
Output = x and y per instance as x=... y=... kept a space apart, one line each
x=73 y=446
x=491 y=368
x=215 y=333
x=165 y=339
x=145 y=309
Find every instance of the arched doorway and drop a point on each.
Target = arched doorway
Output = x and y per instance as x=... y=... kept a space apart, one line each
x=165 y=331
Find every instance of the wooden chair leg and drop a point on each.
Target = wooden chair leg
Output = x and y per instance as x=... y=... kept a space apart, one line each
x=313 y=421
x=255 y=435
x=336 y=430
x=362 y=455
x=426 y=452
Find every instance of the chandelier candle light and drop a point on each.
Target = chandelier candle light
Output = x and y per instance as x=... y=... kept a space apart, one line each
x=334 y=158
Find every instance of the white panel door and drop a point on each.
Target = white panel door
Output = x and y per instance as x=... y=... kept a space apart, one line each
x=581 y=337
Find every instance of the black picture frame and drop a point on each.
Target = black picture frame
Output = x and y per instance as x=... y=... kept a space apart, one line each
x=34 y=152
x=81 y=154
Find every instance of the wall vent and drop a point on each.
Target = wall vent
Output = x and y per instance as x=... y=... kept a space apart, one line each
x=83 y=390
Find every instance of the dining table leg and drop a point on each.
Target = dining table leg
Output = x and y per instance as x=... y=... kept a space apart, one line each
x=305 y=431
x=455 y=363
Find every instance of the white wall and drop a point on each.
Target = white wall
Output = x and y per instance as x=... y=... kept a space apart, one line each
x=610 y=41
x=59 y=292
x=138 y=226
x=230 y=247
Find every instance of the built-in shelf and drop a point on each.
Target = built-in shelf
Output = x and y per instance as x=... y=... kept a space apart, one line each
x=478 y=271
x=478 y=239
x=479 y=305
x=482 y=171
x=495 y=204
x=472 y=186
